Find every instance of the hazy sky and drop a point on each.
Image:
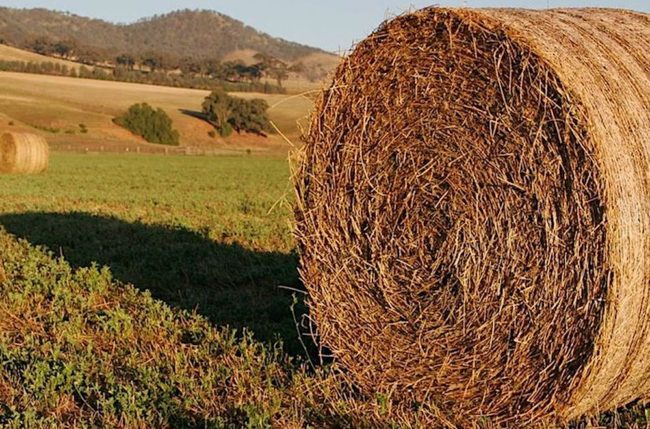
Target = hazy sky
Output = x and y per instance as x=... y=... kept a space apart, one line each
x=329 y=24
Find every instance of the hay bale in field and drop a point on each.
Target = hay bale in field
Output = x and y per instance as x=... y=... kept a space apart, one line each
x=473 y=213
x=23 y=153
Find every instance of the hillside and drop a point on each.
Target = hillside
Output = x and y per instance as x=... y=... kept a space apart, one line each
x=9 y=53
x=187 y=33
x=54 y=107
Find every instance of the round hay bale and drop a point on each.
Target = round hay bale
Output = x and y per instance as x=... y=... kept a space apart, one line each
x=23 y=153
x=473 y=213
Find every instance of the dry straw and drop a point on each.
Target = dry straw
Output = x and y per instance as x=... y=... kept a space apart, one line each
x=23 y=153
x=474 y=213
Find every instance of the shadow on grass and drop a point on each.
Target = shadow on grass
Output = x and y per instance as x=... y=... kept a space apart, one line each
x=228 y=284
x=194 y=114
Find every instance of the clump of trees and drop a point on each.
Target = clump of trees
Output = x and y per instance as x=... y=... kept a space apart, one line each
x=154 y=125
x=228 y=113
x=49 y=68
x=150 y=65
x=149 y=62
x=124 y=72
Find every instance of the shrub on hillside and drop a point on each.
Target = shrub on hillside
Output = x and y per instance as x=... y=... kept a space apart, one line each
x=154 y=125
x=228 y=113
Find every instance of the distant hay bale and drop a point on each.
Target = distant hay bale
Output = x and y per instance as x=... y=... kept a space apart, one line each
x=473 y=213
x=23 y=153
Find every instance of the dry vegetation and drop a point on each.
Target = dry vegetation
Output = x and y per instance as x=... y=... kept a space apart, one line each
x=204 y=242
x=54 y=107
x=167 y=39
x=163 y=291
x=9 y=53
x=23 y=153
x=472 y=214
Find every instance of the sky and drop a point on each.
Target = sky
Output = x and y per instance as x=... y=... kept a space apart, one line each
x=333 y=25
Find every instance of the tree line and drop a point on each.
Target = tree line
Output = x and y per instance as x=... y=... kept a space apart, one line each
x=123 y=74
x=265 y=66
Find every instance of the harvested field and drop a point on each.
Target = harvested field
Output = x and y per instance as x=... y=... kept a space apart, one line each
x=54 y=107
x=473 y=214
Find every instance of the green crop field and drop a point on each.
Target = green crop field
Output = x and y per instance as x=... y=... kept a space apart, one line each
x=206 y=235
x=155 y=291
x=212 y=234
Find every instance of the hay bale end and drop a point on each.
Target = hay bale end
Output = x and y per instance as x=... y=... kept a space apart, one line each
x=23 y=153
x=473 y=213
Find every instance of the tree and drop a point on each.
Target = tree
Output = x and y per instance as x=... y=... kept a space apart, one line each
x=41 y=45
x=298 y=67
x=217 y=107
x=126 y=61
x=153 y=61
x=190 y=66
x=213 y=68
x=250 y=116
x=64 y=48
x=251 y=73
x=279 y=73
x=89 y=56
x=228 y=113
x=273 y=67
x=231 y=71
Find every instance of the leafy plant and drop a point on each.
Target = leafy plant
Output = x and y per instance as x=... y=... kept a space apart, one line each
x=154 y=125
x=228 y=113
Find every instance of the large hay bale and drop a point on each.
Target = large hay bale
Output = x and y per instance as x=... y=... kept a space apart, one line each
x=23 y=153
x=473 y=213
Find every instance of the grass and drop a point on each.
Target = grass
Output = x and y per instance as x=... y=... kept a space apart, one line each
x=212 y=234
x=46 y=103
x=9 y=53
x=142 y=291
x=208 y=235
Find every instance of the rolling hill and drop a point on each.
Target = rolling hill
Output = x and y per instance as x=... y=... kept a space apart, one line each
x=9 y=53
x=186 y=33
x=54 y=107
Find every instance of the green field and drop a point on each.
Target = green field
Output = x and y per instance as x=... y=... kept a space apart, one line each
x=125 y=278
x=212 y=233
x=207 y=235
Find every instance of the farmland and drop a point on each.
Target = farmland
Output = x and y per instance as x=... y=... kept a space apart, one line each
x=206 y=227
x=140 y=287
x=55 y=107
x=205 y=243
x=9 y=53
x=206 y=235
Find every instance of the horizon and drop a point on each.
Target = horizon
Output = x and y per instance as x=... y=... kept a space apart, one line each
x=359 y=20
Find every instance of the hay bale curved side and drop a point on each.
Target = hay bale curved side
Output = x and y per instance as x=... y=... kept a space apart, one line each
x=23 y=153
x=473 y=212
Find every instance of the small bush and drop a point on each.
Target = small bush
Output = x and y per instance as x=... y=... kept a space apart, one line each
x=212 y=134
x=83 y=128
x=154 y=125
x=45 y=128
x=228 y=113
x=11 y=123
